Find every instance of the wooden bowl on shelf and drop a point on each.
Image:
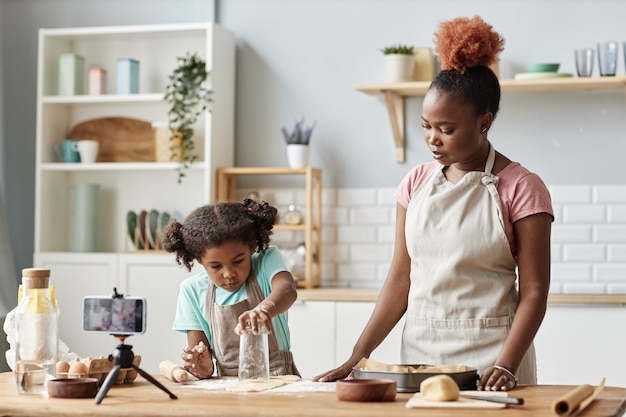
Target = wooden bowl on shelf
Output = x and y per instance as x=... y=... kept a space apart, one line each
x=366 y=390
x=73 y=387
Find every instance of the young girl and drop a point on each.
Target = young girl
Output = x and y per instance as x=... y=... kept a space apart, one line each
x=245 y=286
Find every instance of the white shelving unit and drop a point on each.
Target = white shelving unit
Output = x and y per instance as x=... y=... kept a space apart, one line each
x=125 y=186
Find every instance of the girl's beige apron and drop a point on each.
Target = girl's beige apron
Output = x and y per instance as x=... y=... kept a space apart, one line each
x=222 y=321
x=463 y=292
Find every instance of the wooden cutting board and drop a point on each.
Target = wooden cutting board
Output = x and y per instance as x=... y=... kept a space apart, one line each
x=121 y=139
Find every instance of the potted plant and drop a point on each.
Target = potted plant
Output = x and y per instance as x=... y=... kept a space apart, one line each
x=188 y=97
x=298 y=144
x=399 y=62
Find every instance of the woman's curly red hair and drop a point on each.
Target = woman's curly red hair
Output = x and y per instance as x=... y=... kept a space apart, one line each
x=463 y=43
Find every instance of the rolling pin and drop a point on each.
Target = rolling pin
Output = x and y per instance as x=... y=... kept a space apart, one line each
x=173 y=371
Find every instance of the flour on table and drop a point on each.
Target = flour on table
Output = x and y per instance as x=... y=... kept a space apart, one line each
x=262 y=385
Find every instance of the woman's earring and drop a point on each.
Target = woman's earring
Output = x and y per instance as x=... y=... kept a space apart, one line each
x=484 y=130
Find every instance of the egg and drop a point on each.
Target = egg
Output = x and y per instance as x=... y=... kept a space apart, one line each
x=78 y=368
x=62 y=366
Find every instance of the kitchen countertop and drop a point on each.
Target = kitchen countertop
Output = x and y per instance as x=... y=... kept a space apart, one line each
x=370 y=294
x=141 y=399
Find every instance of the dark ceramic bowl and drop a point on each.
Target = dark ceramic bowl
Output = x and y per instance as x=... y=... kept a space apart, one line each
x=73 y=388
x=368 y=390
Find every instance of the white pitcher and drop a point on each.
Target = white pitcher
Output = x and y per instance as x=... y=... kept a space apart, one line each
x=85 y=217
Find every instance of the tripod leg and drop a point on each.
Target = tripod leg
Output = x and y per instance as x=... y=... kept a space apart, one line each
x=108 y=382
x=154 y=381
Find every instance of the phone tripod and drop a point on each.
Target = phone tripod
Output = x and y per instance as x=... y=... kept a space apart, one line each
x=124 y=357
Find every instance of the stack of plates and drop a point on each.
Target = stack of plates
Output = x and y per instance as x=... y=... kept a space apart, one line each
x=548 y=70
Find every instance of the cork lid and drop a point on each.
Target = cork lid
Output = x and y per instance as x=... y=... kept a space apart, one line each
x=35 y=277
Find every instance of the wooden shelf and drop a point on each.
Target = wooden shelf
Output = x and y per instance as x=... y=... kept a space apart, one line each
x=394 y=93
x=312 y=227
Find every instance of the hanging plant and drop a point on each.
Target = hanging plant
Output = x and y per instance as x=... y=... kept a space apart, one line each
x=189 y=97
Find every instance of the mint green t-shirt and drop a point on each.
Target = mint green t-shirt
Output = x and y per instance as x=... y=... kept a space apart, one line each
x=191 y=308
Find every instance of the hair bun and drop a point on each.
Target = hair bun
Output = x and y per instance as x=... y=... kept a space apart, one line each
x=463 y=43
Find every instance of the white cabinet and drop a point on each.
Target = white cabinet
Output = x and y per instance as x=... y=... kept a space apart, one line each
x=158 y=280
x=155 y=277
x=312 y=329
x=351 y=320
x=125 y=186
x=323 y=334
x=581 y=344
x=75 y=276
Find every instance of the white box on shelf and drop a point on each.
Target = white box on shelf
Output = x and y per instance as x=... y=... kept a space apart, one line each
x=127 y=76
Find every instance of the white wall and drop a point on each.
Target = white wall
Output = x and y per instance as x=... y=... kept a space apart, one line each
x=301 y=58
x=20 y=21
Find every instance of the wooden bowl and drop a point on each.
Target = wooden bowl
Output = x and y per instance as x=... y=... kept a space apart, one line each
x=73 y=387
x=369 y=390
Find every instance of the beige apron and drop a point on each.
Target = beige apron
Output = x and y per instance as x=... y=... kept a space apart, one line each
x=463 y=293
x=222 y=322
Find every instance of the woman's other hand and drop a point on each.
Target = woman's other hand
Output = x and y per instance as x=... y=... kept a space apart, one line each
x=198 y=361
x=497 y=378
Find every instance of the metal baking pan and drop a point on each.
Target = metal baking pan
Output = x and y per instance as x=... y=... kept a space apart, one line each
x=410 y=382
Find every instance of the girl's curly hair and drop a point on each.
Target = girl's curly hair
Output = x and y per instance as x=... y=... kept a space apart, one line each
x=213 y=225
x=466 y=47
x=463 y=43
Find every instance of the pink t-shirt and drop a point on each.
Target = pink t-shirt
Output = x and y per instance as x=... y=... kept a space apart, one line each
x=522 y=193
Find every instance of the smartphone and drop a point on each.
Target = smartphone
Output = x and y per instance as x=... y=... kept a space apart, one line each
x=114 y=315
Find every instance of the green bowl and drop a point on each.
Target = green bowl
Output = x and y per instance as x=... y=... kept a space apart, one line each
x=543 y=67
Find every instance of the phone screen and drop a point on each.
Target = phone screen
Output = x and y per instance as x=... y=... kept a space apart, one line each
x=124 y=315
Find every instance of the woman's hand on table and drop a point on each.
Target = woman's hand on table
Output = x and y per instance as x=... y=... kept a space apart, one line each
x=497 y=378
x=198 y=361
x=341 y=372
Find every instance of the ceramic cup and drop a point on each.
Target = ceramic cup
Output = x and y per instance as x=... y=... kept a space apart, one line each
x=584 y=61
x=88 y=150
x=607 y=58
x=67 y=150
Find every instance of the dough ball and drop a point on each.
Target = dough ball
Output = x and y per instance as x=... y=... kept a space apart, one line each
x=62 y=366
x=78 y=368
x=439 y=388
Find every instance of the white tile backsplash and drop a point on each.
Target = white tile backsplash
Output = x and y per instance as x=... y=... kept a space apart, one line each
x=609 y=194
x=617 y=214
x=584 y=214
x=588 y=237
x=571 y=194
x=617 y=253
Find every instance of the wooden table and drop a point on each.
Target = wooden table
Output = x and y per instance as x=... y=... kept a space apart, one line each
x=143 y=399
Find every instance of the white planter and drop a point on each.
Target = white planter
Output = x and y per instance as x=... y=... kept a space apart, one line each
x=399 y=67
x=298 y=156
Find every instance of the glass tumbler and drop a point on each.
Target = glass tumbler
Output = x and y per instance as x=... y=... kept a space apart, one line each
x=584 y=61
x=254 y=361
x=607 y=58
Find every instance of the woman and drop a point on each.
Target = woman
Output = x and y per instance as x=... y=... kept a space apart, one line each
x=466 y=223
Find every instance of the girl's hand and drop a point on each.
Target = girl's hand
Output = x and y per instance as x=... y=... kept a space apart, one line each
x=253 y=321
x=198 y=361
